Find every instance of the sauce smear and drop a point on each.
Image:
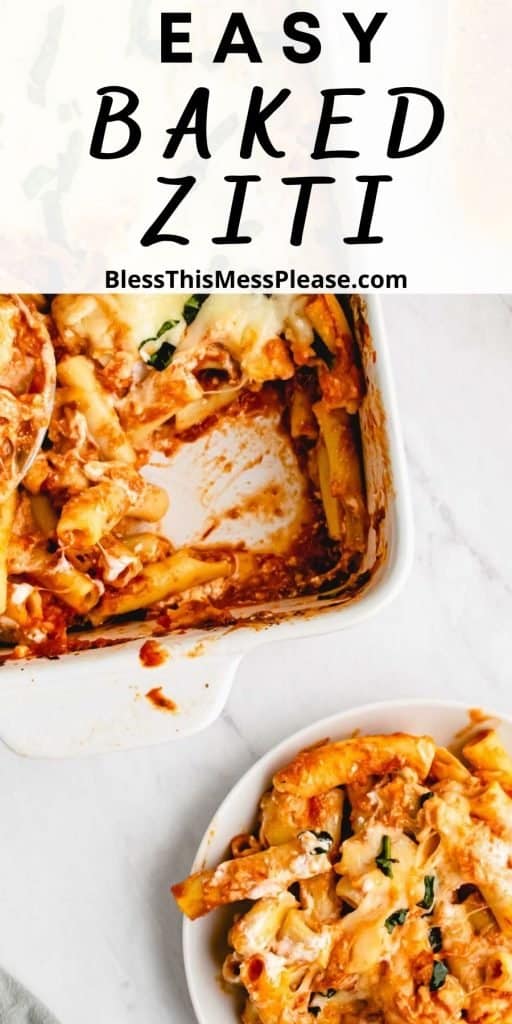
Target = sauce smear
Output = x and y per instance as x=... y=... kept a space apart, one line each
x=160 y=701
x=152 y=654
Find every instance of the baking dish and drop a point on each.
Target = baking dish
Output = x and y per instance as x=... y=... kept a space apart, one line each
x=106 y=698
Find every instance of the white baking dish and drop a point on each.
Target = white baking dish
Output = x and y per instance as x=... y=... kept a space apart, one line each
x=97 y=700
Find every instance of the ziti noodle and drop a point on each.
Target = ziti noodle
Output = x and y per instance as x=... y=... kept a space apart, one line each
x=81 y=541
x=380 y=885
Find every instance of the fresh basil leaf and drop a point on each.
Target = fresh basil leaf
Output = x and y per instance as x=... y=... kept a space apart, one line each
x=465 y=891
x=161 y=359
x=439 y=975
x=384 y=860
x=435 y=937
x=323 y=351
x=396 y=919
x=424 y=798
x=167 y=326
x=192 y=307
x=428 y=900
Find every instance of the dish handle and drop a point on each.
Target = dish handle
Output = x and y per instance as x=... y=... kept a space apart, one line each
x=109 y=700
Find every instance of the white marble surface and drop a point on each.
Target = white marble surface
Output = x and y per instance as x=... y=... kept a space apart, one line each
x=88 y=848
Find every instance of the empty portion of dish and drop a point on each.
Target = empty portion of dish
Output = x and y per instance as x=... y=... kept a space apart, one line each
x=380 y=885
x=145 y=383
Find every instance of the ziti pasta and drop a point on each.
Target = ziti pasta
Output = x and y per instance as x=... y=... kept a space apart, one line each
x=377 y=887
x=81 y=541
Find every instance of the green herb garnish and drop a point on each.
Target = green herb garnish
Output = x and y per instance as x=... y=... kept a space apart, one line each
x=166 y=326
x=424 y=798
x=465 y=891
x=398 y=918
x=384 y=860
x=428 y=900
x=323 y=351
x=435 y=937
x=161 y=357
x=192 y=307
x=439 y=974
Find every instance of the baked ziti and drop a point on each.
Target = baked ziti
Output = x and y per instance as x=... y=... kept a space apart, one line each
x=81 y=541
x=376 y=887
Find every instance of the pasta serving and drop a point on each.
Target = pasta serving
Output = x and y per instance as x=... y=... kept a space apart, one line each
x=25 y=370
x=380 y=881
x=81 y=541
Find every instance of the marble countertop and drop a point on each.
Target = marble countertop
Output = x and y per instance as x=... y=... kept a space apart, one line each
x=88 y=847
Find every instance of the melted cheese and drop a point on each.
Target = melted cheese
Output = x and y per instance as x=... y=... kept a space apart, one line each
x=245 y=323
x=115 y=566
x=20 y=592
x=102 y=324
x=145 y=314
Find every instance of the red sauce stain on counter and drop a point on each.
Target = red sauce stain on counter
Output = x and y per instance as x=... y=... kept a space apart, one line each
x=159 y=700
x=152 y=654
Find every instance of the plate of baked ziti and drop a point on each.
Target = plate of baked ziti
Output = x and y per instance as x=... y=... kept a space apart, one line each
x=362 y=872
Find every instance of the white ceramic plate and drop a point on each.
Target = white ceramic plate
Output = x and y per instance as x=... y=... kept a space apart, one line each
x=204 y=940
